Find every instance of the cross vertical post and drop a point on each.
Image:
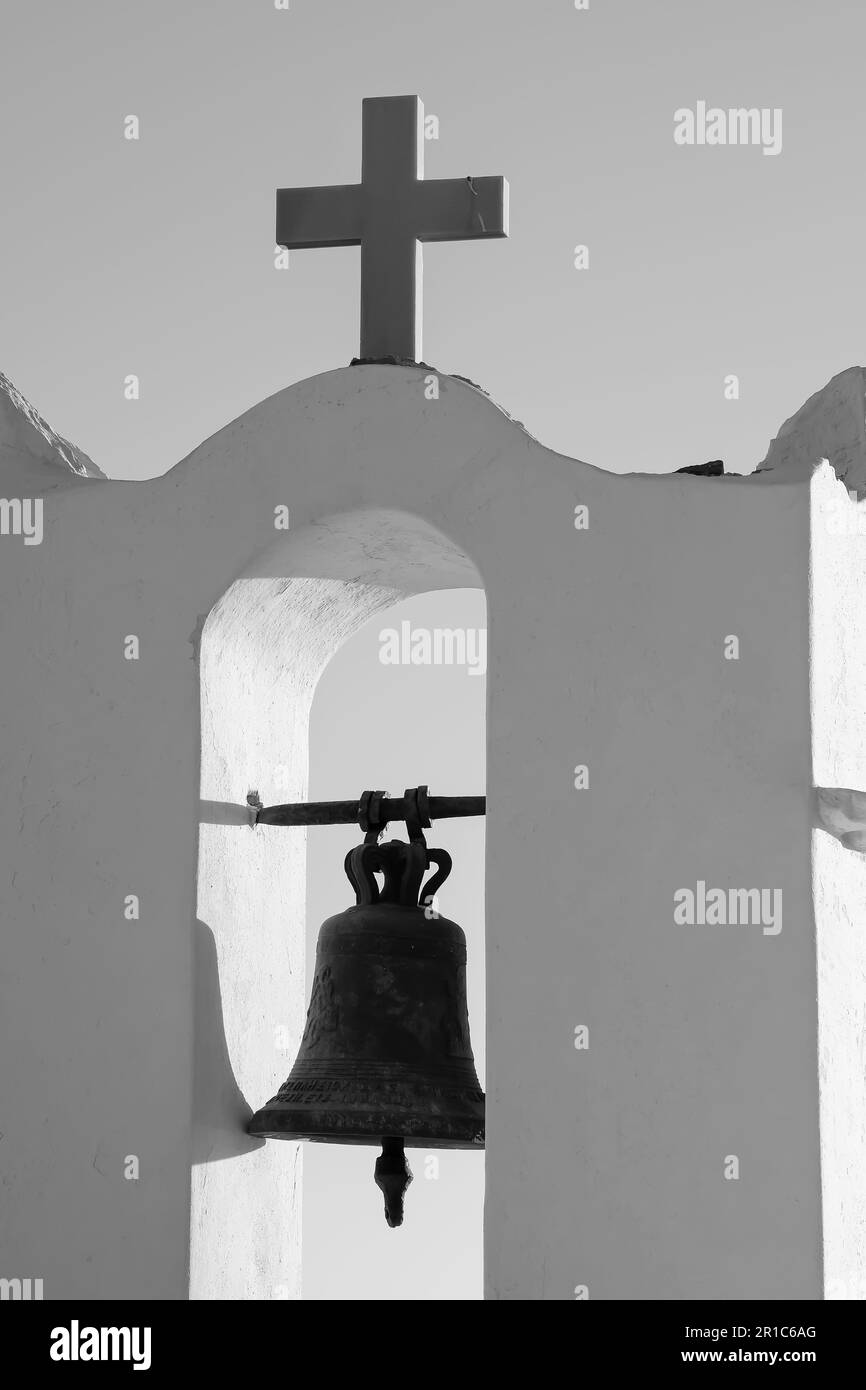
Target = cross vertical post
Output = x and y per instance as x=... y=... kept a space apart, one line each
x=392 y=158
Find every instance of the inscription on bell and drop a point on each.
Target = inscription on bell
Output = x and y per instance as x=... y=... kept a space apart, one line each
x=305 y=1092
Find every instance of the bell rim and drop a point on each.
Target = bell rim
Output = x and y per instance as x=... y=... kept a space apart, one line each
x=410 y=1141
x=370 y=1127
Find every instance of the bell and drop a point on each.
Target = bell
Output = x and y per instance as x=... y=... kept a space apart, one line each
x=385 y=1057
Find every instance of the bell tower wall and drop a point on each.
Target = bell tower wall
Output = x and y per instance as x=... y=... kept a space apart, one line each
x=650 y=743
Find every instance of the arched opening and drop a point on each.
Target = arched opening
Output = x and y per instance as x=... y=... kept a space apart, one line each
x=264 y=647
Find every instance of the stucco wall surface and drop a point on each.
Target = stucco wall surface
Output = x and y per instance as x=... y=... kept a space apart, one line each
x=605 y=1166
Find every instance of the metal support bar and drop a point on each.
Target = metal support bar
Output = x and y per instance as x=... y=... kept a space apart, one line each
x=389 y=809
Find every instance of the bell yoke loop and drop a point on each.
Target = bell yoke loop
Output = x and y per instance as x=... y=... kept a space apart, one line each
x=403 y=865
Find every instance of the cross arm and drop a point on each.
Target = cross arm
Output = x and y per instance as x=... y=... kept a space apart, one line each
x=310 y=217
x=461 y=209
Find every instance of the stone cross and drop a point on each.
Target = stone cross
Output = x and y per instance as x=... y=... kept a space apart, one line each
x=388 y=214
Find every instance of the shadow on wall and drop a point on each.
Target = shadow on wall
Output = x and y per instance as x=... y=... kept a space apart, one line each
x=220 y=1112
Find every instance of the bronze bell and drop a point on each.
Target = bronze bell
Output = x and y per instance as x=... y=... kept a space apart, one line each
x=385 y=1057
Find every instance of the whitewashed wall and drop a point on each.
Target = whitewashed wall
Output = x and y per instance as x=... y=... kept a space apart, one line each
x=839 y=744
x=605 y=1166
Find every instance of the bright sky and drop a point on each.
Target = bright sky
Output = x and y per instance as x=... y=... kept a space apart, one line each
x=155 y=257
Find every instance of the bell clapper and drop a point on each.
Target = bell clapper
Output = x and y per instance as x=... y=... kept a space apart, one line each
x=393 y=1176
